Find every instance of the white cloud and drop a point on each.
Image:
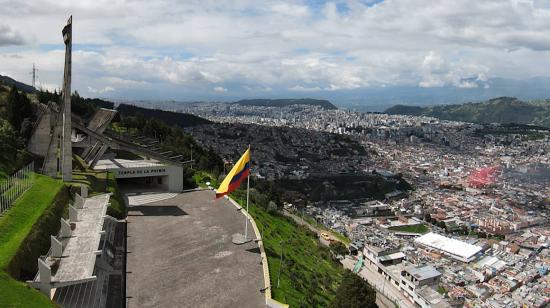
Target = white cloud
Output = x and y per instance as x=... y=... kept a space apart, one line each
x=293 y=10
x=9 y=37
x=299 y=88
x=104 y=90
x=220 y=89
x=196 y=45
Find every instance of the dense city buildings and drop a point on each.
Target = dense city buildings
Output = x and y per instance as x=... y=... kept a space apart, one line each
x=475 y=223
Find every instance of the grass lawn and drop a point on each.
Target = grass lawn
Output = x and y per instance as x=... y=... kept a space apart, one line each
x=99 y=183
x=15 y=225
x=420 y=229
x=202 y=177
x=309 y=276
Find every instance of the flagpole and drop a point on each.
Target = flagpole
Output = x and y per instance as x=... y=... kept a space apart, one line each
x=247 y=198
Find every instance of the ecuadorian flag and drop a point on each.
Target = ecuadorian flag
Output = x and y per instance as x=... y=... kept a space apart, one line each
x=234 y=178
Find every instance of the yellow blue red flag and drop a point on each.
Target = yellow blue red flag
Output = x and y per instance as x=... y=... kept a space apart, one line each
x=238 y=173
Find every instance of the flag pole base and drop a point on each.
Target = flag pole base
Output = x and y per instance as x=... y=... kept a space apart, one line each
x=240 y=239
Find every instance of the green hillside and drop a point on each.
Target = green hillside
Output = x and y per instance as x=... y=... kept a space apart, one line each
x=309 y=275
x=15 y=226
x=498 y=110
x=168 y=117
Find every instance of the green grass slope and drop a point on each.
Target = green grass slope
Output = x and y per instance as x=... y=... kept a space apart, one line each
x=15 y=225
x=309 y=276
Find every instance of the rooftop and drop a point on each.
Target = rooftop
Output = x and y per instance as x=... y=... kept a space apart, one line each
x=424 y=272
x=449 y=245
x=116 y=163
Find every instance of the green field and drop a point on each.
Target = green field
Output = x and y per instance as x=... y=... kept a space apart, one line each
x=15 y=225
x=309 y=276
x=420 y=229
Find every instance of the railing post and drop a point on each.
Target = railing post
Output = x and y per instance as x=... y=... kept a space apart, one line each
x=57 y=247
x=78 y=201
x=65 y=228
x=45 y=277
x=73 y=214
x=15 y=185
x=84 y=191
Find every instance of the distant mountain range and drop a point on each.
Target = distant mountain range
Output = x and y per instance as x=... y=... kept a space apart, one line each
x=8 y=81
x=498 y=110
x=286 y=102
x=169 y=117
x=380 y=98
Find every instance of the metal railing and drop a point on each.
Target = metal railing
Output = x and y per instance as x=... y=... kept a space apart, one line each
x=14 y=186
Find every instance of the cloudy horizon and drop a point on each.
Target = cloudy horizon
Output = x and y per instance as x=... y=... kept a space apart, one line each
x=243 y=48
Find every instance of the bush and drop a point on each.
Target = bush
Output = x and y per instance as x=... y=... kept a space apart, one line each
x=354 y=292
x=118 y=207
x=338 y=248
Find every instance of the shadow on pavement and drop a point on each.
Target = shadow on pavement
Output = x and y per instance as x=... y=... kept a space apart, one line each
x=156 y=210
x=254 y=250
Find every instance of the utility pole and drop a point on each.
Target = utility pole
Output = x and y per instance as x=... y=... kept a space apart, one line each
x=34 y=70
x=280 y=264
x=191 y=156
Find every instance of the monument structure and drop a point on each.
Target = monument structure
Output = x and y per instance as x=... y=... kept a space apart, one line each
x=57 y=131
x=51 y=135
x=66 y=147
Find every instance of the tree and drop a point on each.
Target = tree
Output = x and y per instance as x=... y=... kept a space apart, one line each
x=18 y=108
x=338 y=248
x=428 y=218
x=9 y=144
x=354 y=292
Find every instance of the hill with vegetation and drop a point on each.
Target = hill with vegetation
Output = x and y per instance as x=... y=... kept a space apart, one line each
x=80 y=106
x=286 y=102
x=17 y=114
x=502 y=110
x=168 y=117
x=24 y=235
x=9 y=82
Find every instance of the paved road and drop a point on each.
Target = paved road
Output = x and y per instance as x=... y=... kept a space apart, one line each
x=180 y=254
x=302 y=222
x=382 y=285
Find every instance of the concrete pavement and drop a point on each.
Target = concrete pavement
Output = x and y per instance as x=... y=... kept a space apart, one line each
x=180 y=254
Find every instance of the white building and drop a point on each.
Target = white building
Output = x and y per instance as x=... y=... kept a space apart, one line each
x=453 y=248
x=144 y=172
x=414 y=279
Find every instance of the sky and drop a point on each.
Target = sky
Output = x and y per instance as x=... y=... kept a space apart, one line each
x=224 y=50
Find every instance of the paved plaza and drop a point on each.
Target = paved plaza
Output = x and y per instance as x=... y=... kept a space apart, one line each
x=180 y=254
